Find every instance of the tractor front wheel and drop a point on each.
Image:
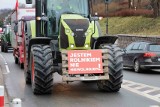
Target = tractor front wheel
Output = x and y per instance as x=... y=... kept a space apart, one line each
x=115 y=67
x=41 y=69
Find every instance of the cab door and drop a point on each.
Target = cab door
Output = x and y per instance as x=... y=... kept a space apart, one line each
x=126 y=54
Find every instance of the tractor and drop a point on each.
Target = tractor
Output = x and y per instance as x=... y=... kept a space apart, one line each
x=5 y=39
x=66 y=39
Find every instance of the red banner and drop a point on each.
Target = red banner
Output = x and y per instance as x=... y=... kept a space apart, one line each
x=85 y=61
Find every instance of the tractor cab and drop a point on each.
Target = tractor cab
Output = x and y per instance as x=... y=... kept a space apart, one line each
x=70 y=22
x=6 y=34
x=6 y=29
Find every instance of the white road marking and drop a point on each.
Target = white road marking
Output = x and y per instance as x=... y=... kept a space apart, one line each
x=154 y=106
x=137 y=88
x=149 y=91
x=129 y=85
x=157 y=95
x=6 y=65
x=142 y=93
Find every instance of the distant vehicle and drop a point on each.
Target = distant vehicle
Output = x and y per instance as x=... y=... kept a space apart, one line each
x=5 y=38
x=19 y=19
x=142 y=56
x=1 y=33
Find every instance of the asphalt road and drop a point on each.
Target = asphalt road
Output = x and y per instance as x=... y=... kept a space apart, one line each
x=78 y=94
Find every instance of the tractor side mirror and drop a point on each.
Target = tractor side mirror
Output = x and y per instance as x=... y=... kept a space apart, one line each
x=28 y=1
x=15 y=29
x=96 y=18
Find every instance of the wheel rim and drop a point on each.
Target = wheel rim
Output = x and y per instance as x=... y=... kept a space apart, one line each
x=136 y=66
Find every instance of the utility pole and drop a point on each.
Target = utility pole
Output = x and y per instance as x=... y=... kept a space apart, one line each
x=107 y=14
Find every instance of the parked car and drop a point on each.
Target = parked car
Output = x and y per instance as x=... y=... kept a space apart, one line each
x=142 y=56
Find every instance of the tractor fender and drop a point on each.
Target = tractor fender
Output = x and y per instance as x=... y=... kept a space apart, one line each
x=36 y=41
x=104 y=40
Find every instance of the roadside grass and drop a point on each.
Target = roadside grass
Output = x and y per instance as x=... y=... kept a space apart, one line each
x=136 y=25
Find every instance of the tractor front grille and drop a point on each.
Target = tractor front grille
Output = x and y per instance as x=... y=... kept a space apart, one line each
x=78 y=27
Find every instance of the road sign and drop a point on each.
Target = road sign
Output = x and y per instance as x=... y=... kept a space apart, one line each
x=85 y=61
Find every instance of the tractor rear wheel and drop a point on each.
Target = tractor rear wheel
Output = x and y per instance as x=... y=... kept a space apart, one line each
x=115 y=67
x=2 y=46
x=41 y=69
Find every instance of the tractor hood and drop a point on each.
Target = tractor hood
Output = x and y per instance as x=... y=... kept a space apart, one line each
x=75 y=28
x=76 y=32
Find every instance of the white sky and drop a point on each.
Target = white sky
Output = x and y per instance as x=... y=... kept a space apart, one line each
x=9 y=3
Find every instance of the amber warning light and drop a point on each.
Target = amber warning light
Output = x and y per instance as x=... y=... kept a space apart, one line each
x=85 y=62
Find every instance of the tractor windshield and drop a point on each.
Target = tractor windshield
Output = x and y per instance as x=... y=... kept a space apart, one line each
x=7 y=30
x=55 y=8
x=70 y=6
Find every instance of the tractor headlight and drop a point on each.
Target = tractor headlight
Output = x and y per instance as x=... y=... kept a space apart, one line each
x=67 y=31
x=72 y=34
x=86 y=34
x=86 y=45
x=89 y=30
x=38 y=18
x=72 y=46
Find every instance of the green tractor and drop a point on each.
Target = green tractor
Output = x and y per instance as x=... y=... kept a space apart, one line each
x=64 y=37
x=5 y=39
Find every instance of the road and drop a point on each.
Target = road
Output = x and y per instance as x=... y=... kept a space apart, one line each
x=79 y=94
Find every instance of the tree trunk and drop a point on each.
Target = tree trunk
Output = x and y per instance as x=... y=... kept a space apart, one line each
x=139 y=4
x=129 y=4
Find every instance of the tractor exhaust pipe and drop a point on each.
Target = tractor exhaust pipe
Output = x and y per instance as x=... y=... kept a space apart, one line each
x=38 y=14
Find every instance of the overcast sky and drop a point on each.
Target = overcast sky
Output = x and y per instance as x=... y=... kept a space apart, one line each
x=9 y=3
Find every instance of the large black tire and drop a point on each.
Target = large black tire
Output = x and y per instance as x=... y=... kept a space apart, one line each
x=115 y=67
x=2 y=46
x=42 y=69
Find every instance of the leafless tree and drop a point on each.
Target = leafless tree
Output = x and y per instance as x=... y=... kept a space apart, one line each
x=156 y=7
